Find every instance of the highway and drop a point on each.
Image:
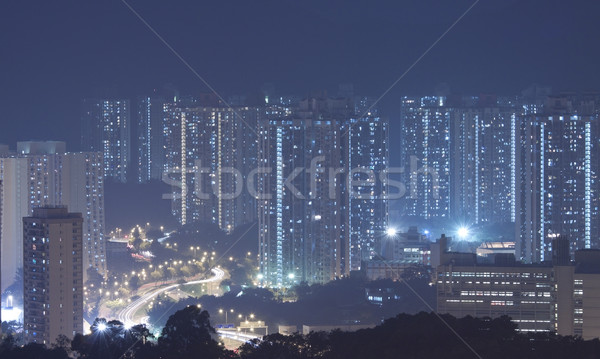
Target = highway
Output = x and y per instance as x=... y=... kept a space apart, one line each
x=237 y=336
x=126 y=315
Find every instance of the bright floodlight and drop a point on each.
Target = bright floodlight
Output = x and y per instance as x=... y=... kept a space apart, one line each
x=101 y=327
x=463 y=232
x=391 y=232
x=291 y=276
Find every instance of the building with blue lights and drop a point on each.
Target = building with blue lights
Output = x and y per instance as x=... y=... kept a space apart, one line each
x=458 y=158
x=150 y=138
x=365 y=160
x=481 y=162
x=325 y=187
x=556 y=178
x=299 y=204
x=106 y=128
x=426 y=156
x=209 y=154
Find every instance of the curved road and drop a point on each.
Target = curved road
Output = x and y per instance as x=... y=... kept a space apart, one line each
x=237 y=336
x=125 y=316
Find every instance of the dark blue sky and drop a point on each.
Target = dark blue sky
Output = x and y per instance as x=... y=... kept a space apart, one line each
x=56 y=52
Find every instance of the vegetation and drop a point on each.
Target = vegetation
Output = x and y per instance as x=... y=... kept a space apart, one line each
x=424 y=335
x=188 y=334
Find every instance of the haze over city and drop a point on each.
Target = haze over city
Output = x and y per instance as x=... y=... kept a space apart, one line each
x=285 y=179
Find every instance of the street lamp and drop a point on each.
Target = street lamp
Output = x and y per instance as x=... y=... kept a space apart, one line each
x=221 y=311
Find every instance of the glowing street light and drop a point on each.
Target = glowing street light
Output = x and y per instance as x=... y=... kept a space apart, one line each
x=101 y=327
x=463 y=232
x=391 y=232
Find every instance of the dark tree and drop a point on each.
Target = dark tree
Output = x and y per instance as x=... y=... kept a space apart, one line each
x=188 y=334
x=275 y=346
x=111 y=340
x=8 y=344
x=137 y=239
x=35 y=351
x=134 y=282
x=94 y=277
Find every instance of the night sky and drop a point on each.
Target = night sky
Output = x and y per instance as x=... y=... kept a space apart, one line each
x=53 y=53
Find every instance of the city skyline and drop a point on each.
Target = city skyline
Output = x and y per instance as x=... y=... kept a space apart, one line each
x=184 y=177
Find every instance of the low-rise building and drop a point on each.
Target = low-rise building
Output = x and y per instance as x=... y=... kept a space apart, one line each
x=558 y=296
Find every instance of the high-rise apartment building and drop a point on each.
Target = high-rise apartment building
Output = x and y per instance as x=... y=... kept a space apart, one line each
x=556 y=166
x=150 y=139
x=53 y=275
x=481 y=160
x=458 y=158
x=210 y=152
x=299 y=204
x=83 y=180
x=106 y=128
x=426 y=157
x=323 y=205
x=365 y=160
x=14 y=176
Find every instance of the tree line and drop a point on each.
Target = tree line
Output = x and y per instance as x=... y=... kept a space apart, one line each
x=189 y=334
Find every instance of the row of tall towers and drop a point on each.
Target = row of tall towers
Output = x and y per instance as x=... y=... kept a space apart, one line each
x=531 y=162
x=470 y=160
x=288 y=168
x=229 y=165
